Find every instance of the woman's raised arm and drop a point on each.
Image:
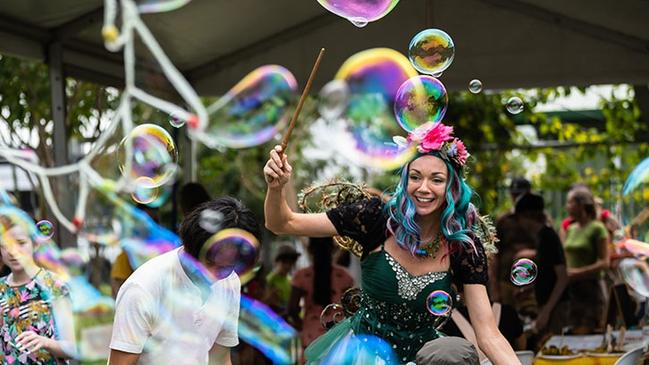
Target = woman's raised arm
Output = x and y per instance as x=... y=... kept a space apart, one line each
x=280 y=219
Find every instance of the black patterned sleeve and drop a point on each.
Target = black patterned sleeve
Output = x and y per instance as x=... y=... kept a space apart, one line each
x=469 y=266
x=363 y=221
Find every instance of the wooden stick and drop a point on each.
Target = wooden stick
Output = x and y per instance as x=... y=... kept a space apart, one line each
x=307 y=88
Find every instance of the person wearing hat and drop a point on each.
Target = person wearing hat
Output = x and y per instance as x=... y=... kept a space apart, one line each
x=518 y=187
x=278 y=281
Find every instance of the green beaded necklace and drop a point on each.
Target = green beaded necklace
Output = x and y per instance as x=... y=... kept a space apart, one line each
x=430 y=249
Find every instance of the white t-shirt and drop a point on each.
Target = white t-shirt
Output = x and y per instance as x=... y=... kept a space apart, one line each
x=160 y=314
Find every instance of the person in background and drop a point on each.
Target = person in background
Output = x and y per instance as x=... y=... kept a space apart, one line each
x=510 y=235
x=586 y=248
x=549 y=257
x=122 y=268
x=318 y=285
x=35 y=309
x=192 y=195
x=170 y=312
x=278 y=281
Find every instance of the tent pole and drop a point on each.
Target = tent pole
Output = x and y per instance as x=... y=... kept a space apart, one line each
x=60 y=138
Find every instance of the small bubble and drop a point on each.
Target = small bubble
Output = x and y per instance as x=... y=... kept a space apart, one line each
x=45 y=229
x=514 y=105
x=475 y=86
x=523 y=272
x=359 y=22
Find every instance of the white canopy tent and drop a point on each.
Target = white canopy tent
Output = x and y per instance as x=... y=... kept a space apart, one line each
x=504 y=43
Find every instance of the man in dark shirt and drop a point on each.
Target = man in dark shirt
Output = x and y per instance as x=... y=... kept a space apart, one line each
x=550 y=260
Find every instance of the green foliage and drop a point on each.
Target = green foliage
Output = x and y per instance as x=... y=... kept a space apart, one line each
x=25 y=106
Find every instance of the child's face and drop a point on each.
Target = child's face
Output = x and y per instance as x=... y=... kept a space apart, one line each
x=16 y=248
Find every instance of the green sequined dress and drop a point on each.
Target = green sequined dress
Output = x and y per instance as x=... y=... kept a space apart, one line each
x=393 y=302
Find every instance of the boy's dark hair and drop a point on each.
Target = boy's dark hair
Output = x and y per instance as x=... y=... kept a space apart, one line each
x=235 y=215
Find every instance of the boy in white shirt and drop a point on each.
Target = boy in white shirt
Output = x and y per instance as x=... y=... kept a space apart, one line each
x=166 y=313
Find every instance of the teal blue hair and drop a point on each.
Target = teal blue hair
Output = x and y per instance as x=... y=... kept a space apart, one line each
x=457 y=218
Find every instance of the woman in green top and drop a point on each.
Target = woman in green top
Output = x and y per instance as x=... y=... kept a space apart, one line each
x=587 y=255
x=419 y=242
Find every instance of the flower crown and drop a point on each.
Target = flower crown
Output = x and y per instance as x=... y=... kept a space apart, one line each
x=439 y=137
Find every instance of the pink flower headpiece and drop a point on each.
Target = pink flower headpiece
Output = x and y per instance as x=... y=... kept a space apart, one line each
x=439 y=137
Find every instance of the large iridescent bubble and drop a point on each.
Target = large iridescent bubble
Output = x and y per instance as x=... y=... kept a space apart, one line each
x=154 y=155
x=267 y=331
x=360 y=12
x=635 y=203
x=230 y=250
x=334 y=97
x=159 y=6
x=636 y=274
x=431 y=51
x=373 y=77
x=253 y=111
x=360 y=349
x=419 y=100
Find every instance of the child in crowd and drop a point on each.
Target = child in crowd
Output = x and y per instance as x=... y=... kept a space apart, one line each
x=35 y=310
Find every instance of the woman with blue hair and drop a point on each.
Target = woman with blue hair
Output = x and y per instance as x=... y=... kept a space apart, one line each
x=427 y=237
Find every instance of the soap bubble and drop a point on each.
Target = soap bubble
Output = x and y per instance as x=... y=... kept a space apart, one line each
x=439 y=303
x=154 y=155
x=253 y=111
x=45 y=229
x=636 y=274
x=230 y=250
x=159 y=6
x=431 y=51
x=360 y=12
x=145 y=191
x=334 y=97
x=475 y=86
x=420 y=100
x=360 y=349
x=523 y=272
x=634 y=202
x=176 y=122
x=373 y=77
x=514 y=105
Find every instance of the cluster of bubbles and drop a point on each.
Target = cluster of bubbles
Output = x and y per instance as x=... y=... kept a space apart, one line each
x=253 y=111
x=153 y=164
x=523 y=272
x=363 y=95
x=439 y=303
x=360 y=12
